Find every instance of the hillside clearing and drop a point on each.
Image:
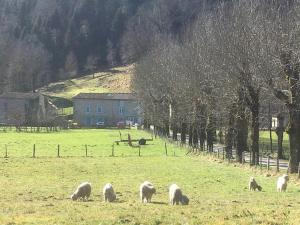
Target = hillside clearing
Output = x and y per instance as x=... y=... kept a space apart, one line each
x=39 y=188
x=113 y=80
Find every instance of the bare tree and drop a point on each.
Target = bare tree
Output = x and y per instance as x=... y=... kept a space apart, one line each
x=28 y=66
x=280 y=31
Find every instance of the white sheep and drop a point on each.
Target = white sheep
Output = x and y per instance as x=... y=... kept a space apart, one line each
x=146 y=191
x=83 y=191
x=282 y=183
x=253 y=185
x=108 y=193
x=176 y=196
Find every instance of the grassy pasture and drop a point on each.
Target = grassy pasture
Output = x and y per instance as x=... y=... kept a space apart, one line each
x=266 y=146
x=72 y=143
x=36 y=191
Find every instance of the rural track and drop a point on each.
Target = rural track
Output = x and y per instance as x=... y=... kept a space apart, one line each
x=283 y=164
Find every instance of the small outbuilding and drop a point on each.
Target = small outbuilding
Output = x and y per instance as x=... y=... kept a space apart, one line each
x=17 y=108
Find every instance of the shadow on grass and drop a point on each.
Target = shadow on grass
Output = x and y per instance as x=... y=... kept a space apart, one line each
x=159 y=203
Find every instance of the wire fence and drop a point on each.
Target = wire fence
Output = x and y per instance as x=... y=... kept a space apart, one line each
x=165 y=147
x=33 y=129
x=17 y=150
x=267 y=158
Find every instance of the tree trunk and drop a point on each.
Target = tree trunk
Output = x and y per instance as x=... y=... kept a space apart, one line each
x=294 y=136
x=279 y=133
x=191 y=135
x=211 y=132
x=255 y=133
x=175 y=132
x=229 y=136
x=202 y=134
x=270 y=127
x=195 y=136
x=241 y=135
x=146 y=124
x=167 y=129
x=183 y=133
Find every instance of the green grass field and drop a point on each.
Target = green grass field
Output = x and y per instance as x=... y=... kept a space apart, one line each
x=37 y=190
x=265 y=144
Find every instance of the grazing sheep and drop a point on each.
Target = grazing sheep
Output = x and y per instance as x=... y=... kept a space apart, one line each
x=83 y=191
x=146 y=191
x=253 y=185
x=282 y=183
x=176 y=196
x=108 y=193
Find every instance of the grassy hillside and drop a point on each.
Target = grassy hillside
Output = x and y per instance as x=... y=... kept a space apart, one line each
x=113 y=80
x=36 y=191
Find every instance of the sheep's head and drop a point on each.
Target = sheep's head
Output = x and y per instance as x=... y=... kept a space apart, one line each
x=114 y=197
x=153 y=190
x=184 y=200
x=74 y=197
x=285 y=177
x=259 y=188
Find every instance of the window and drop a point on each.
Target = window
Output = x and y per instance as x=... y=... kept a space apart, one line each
x=88 y=109
x=121 y=107
x=121 y=110
x=99 y=109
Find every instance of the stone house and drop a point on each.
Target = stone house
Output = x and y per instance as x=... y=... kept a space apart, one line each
x=107 y=108
x=18 y=108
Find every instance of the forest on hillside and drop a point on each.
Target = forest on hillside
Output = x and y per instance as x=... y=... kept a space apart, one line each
x=42 y=41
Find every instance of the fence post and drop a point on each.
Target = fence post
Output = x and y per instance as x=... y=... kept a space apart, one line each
x=58 y=151
x=86 y=151
x=139 y=151
x=260 y=160
x=268 y=163
x=243 y=157
x=166 y=149
x=33 y=151
x=288 y=167
x=299 y=170
x=6 y=153
x=223 y=153
x=174 y=154
x=277 y=164
x=113 y=150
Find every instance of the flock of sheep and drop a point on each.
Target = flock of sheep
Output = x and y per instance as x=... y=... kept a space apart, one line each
x=281 y=184
x=147 y=190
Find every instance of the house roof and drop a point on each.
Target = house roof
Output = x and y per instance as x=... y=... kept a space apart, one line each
x=106 y=96
x=19 y=95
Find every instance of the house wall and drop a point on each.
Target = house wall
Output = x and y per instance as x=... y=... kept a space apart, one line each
x=12 y=111
x=111 y=111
